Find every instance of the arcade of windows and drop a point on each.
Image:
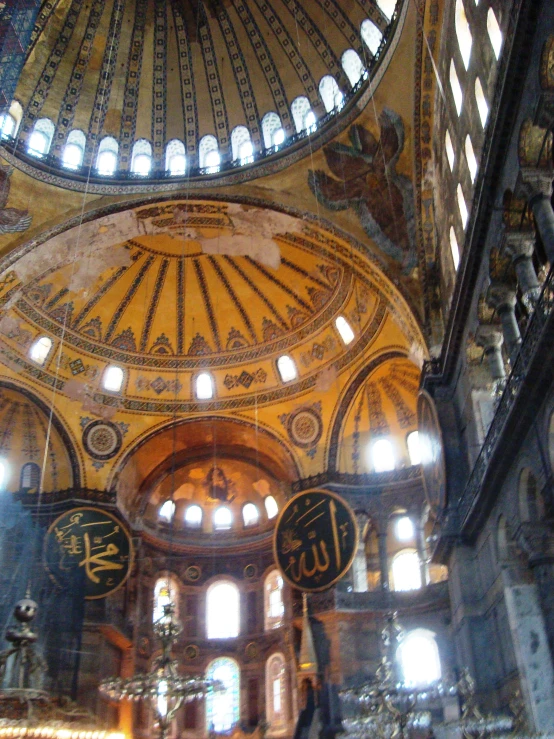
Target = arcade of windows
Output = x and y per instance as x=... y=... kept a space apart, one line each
x=418 y=655
x=209 y=157
x=465 y=79
x=203 y=383
x=222 y=517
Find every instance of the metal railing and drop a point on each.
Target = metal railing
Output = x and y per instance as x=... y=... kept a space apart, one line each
x=455 y=518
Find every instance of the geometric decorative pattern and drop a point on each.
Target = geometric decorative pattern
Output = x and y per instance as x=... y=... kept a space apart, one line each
x=304 y=426
x=102 y=440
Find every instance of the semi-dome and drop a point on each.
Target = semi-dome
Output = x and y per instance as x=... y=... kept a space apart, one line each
x=124 y=91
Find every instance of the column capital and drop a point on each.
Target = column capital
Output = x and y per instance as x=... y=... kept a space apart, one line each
x=500 y=296
x=518 y=244
x=537 y=182
x=489 y=337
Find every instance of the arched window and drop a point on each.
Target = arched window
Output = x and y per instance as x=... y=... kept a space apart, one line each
x=106 y=159
x=241 y=145
x=405 y=571
x=166 y=592
x=463 y=32
x=276 y=692
x=419 y=658
x=74 y=150
x=223 y=518
x=456 y=88
x=462 y=205
x=353 y=66
x=454 y=248
x=272 y=130
x=387 y=7
x=495 y=34
x=481 y=100
x=141 y=159
x=330 y=93
x=204 y=386
x=7 y=125
x=40 y=349
x=3 y=474
x=223 y=705
x=414 y=451
x=274 y=608
x=287 y=368
x=9 y=122
x=271 y=507
x=112 y=379
x=30 y=476
x=208 y=154
x=167 y=510
x=302 y=113
x=344 y=329
x=382 y=456
x=471 y=159
x=449 y=150
x=222 y=610
x=404 y=528
x=250 y=514
x=175 y=159
x=193 y=516
x=371 y=36
x=41 y=137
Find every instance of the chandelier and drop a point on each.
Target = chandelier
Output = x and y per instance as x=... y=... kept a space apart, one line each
x=387 y=708
x=166 y=690
x=27 y=710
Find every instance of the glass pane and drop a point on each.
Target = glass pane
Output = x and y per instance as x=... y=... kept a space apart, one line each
x=419 y=659
x=72 y=156
x=406 y=574
x=344 y=329
x=39 y=350
x=193 y=515
x=287 y=368
x=38 y=143
x=113 y=379
x=404 y=529
x=223 y=518
x=106 y=162
x=223 y=706
x=250 y=514
x=204 y=386
x=413 y=447
x=271 y=506
x=222 y=611
x=382 y=456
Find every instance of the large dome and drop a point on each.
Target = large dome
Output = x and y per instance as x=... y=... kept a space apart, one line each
x=159 y=72
x=168 y=290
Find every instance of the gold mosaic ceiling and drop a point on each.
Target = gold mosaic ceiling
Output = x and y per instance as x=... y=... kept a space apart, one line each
x=160 y=70
x=197 y=285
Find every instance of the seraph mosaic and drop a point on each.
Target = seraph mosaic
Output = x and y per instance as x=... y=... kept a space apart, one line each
x=365 y=179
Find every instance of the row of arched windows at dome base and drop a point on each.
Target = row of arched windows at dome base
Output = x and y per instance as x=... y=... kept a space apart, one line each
x=209 y=157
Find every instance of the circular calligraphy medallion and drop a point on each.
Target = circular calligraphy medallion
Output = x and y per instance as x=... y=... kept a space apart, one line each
x=102 y=440
x=251 y=650
x=304 y=427
x=432 y=454
x=315 y=540
x=191 y=651
x=250 y=571
x=89 y=550
x=193 y=573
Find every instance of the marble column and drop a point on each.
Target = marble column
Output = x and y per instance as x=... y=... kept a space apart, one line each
x=383 y=560
x=422 y=554
x=359 y=566
x=532 y=654
x=540 y=202
x=490 y=338
x=503 y=299
x=520 y=247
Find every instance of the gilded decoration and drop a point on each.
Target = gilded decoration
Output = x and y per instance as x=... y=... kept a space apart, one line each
x=547 y=65
x=535 y=146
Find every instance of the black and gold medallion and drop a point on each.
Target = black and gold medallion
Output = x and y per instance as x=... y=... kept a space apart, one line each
x=88 y=547
x=315 y=540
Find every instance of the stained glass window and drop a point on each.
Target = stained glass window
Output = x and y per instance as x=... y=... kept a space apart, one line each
x=273 y=600
x=166 y=591
x=276 y=702
x=223 y=706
